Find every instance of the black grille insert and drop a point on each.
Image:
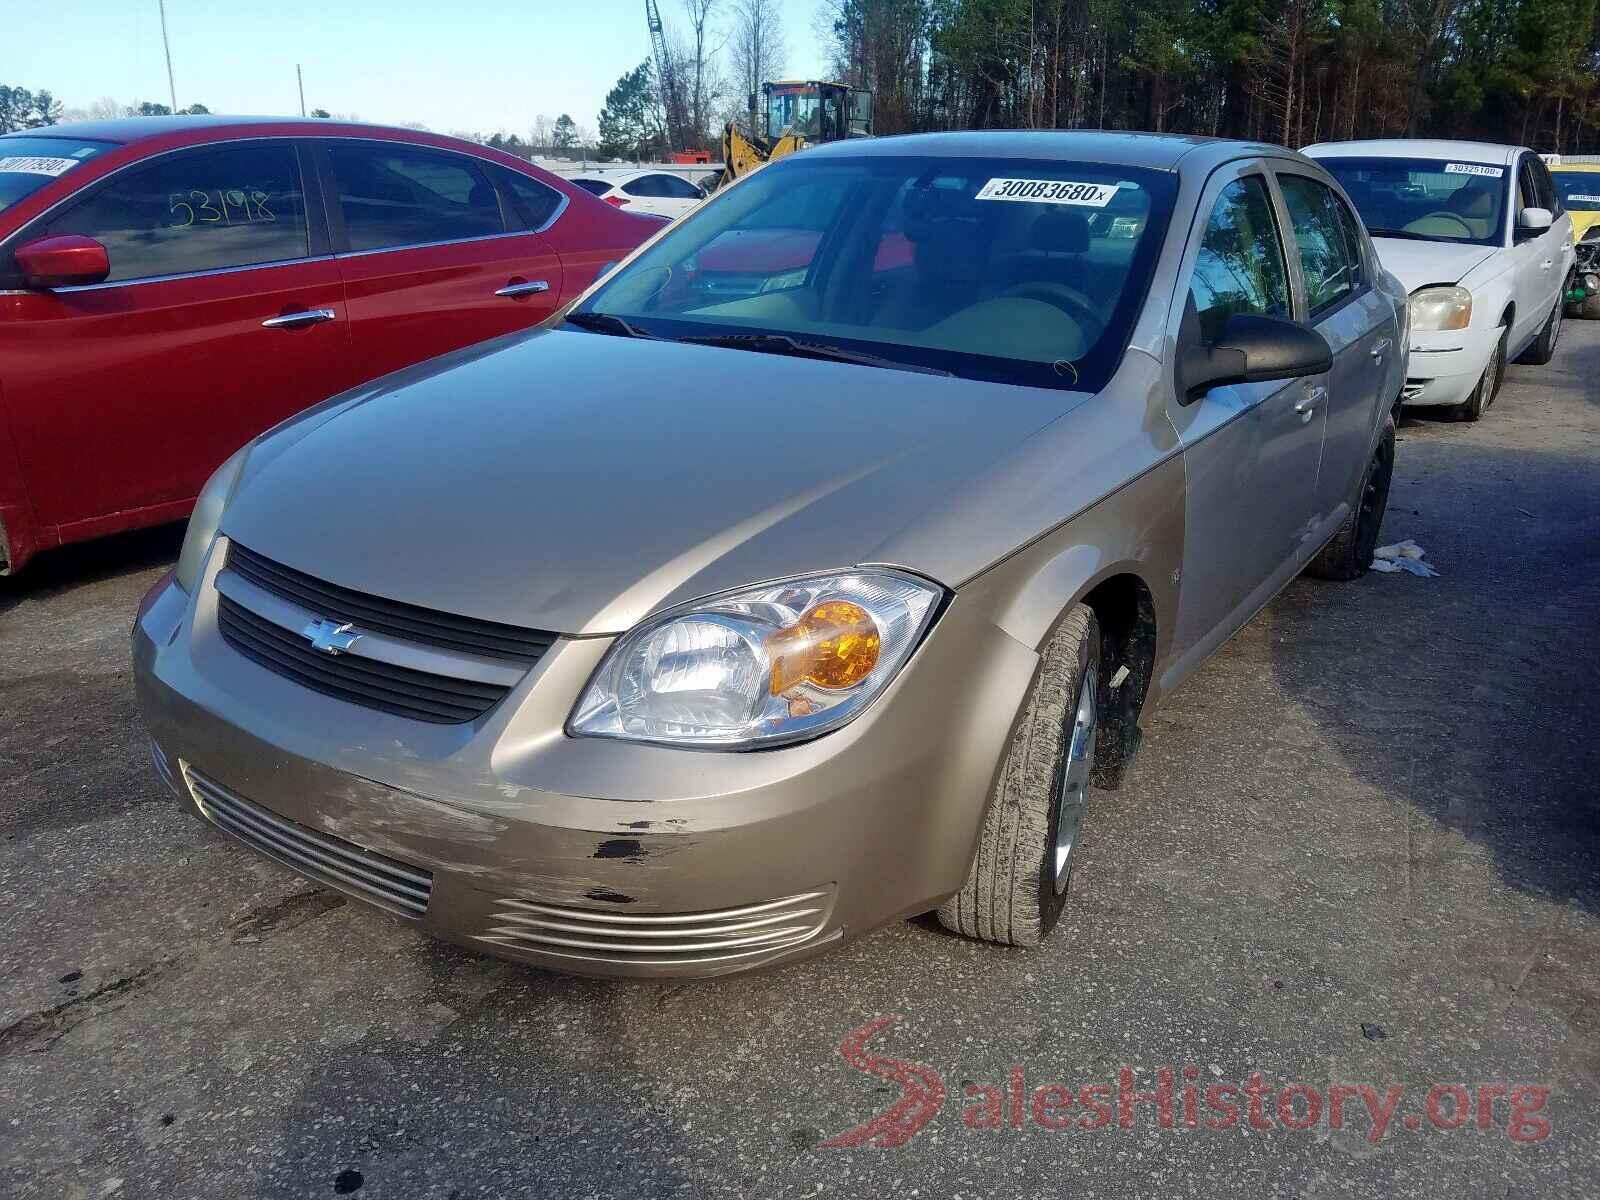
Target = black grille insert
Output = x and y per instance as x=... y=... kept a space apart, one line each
x=409 y=622
x=419 y=695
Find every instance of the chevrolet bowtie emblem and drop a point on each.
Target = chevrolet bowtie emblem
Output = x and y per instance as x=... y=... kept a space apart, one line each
x=330 y=637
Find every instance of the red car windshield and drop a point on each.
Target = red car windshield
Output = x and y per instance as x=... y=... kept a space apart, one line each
x=28 y=163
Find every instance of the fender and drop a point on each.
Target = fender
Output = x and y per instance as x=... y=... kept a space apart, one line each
x=19 y=538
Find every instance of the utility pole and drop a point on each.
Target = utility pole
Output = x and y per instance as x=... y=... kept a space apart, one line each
x=301 y=80
x=172 y=88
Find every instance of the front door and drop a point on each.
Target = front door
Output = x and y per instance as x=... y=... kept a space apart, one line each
x=221 y=316
x=433 y=256
x=1251 y=451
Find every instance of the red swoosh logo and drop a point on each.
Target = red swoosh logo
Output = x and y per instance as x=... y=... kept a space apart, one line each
x=923 y=1092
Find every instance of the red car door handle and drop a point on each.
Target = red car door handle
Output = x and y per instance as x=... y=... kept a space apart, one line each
x=523 y=289
x=296 y=320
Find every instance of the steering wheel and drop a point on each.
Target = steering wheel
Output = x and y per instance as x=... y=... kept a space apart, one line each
x=1069 y=300
x=1444 y=214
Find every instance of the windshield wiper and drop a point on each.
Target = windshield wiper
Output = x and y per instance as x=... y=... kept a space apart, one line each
x=599 y=322
x=1376 y=231
x=782 y=343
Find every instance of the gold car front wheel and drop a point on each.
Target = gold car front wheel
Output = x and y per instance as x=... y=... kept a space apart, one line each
x=1017 y=885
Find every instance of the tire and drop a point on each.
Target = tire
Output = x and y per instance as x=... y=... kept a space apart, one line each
x=1017 y=885
x=1544 y=346
x=1483 y=394
x=1589 y=310
x=1349 y=554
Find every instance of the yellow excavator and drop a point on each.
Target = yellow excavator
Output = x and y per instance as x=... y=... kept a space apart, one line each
x=794 y=114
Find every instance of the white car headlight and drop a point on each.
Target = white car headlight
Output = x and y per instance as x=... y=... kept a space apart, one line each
x=764 y=666
x=205 y=519
x=1439 y=308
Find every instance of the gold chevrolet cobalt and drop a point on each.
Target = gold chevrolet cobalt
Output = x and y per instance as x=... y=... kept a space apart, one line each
x=813 y=570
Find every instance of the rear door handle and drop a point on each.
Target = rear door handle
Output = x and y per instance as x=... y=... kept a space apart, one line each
x=1308 y=403
x=532 y=287
x=296 y=320
x=1381 y=347
x=1547 y=264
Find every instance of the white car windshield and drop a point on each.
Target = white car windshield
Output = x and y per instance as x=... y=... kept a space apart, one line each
x=1023 y=271
x=1431 y=200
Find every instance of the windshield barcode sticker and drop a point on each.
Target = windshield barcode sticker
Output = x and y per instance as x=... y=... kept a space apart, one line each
x=1583 y=199
x=1474 y=169
x=37 y=166
x=1048 y=191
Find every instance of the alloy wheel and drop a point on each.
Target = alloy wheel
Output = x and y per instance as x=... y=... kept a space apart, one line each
x=1073 y=790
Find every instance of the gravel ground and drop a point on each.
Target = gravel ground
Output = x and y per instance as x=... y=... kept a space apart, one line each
x=1360 y=848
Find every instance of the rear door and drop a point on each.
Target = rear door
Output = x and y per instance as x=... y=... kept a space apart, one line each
x=1341 y=303
x=435 y=254
x=222 y=315
x=1251 y=450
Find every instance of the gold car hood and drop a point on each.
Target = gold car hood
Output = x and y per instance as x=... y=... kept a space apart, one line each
x=575 y=482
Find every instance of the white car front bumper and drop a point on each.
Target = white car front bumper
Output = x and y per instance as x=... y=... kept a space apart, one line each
x=1446 y=366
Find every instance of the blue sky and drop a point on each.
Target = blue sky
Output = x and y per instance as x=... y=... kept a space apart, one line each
x=471 y=65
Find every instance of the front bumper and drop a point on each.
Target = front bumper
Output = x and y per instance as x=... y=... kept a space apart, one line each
x=585 y=855
x=1445 y=366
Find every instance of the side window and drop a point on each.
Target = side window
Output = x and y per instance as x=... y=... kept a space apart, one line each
x=1527 y=185
x=677 y=189
x=534 y=203
x=398 y=195
x=645 y=185
x=197 y=210
x=1545 y=186
x=1329 y=263
x=1241 y=266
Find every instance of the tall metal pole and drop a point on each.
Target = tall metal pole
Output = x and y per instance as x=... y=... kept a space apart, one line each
x=172 y=88
x=301 y=80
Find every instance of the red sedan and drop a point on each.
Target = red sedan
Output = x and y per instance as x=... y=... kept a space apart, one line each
x=171 y=287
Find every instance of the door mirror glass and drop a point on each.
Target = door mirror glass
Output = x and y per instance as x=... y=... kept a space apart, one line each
x=1252 y=349
x=1534 y=220
x=62 y=261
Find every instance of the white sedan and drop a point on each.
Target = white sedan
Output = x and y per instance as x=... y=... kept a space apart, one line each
x=659 y=193
x=1478 y=235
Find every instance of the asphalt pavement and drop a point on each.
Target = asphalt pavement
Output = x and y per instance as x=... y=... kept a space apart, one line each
x=1360 y=852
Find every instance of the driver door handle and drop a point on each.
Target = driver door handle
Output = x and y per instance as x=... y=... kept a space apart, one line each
x=1381 y=347
x=1307 y=404
x=1547 y=264
x=523 y=289
x=296 y=320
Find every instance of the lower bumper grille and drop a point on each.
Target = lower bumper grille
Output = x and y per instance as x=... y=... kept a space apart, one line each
x=1412 y=389
x=664 y=939
x=402 y=889
x=420 y=695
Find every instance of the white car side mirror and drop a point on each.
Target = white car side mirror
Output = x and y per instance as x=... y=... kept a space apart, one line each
x=1534 y=220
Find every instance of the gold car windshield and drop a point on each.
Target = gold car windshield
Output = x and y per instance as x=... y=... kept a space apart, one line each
x=1022 y=271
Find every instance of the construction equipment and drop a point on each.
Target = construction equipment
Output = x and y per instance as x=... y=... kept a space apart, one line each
x=794 y=114
x=672 y=103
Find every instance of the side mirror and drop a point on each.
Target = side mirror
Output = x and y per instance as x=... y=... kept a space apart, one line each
x=1252 y=349
x=62 y=261
x=1533 y=221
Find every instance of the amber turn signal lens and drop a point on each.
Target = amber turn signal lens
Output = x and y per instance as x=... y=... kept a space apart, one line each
x=834 y=645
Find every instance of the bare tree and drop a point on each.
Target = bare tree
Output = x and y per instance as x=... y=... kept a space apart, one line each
x=703 y=83
x=757 y=47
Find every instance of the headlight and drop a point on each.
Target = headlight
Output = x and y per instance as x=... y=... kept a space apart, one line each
x=206 y=517
x=760 y=667
x=1437 y=308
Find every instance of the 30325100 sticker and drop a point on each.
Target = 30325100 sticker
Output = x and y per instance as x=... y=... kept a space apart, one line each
x=1048 y=191
x=1474 y=169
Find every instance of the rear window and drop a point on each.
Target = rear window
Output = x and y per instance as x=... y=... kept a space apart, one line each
x=28 y=163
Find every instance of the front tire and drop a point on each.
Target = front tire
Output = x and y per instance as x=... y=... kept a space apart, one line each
x=1474 y=406
x=1017 y=885
x=1349 y=554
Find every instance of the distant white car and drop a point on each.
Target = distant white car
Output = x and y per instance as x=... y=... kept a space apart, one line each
x=660 y=193
x=1478 y=235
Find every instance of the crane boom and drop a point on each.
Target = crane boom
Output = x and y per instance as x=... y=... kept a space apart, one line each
x=666 y=78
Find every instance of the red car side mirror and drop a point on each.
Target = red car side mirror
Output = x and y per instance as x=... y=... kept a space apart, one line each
x=62 y=261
